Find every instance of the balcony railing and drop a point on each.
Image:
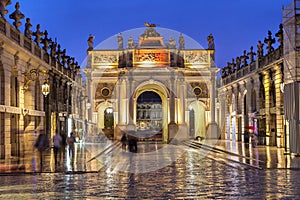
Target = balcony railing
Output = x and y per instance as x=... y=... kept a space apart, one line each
x=254 y=66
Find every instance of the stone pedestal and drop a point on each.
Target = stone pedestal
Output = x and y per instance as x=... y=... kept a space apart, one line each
x=213 y=131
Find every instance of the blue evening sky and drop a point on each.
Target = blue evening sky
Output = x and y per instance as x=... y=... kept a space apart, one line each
x=235 y=24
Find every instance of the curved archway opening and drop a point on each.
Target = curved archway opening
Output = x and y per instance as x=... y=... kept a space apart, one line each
x=149 y=116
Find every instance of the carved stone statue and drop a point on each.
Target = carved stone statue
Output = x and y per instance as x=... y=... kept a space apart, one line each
x=181 y=41
x=279 y=34
x=172 y=43
x=120 y=41
x=53 y=49
x=27 y=31
x=46 y=41
x=260 y=50
x=130 y=43
x=17 y=16
x=3 y=4
x=269 y=41
x=210 y=42
x=244 y=59
x=38 y=34
x=238 y=63
x=90 y=42
x=251 y=54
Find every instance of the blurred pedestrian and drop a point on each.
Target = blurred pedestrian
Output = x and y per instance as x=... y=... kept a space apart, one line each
x=124 y=141
x=57 y=140
x=71 y=144
x=41 y=143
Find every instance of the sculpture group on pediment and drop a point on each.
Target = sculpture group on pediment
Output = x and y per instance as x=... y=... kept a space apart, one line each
x=150 y=32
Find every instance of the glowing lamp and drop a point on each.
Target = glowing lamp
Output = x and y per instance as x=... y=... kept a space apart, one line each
x=45 y=88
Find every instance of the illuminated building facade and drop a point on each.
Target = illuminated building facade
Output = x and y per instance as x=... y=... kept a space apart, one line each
x=29 y=64
x=262 y=95
x=158 y=89
x=251 y=97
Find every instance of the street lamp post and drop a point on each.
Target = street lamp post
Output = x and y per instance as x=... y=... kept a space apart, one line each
x=33 y=75
x=45 y=91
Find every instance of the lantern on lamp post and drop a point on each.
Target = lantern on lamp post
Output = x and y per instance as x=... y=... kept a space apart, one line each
x=45 y=88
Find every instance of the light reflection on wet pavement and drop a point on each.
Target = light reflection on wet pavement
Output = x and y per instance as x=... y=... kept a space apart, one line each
x=191 y=176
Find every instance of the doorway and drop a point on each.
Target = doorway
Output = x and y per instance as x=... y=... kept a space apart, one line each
x=149 y=116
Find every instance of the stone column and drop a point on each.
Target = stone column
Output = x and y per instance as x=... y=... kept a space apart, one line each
x=266 y=83
x=213 y=131
x=279 y=107
x=183 y=132
x=131 y=125
x=172 y=127
x=89 y=94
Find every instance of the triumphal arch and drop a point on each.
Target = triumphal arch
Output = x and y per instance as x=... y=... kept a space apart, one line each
x=155 y=88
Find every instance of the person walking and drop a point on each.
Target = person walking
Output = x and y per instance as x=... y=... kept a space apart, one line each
x=57 y=140
x=124 y=141
x=42 y=143
x=70 y=141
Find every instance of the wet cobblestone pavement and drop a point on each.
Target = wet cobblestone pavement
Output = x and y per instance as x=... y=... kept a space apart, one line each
x=194 y=174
